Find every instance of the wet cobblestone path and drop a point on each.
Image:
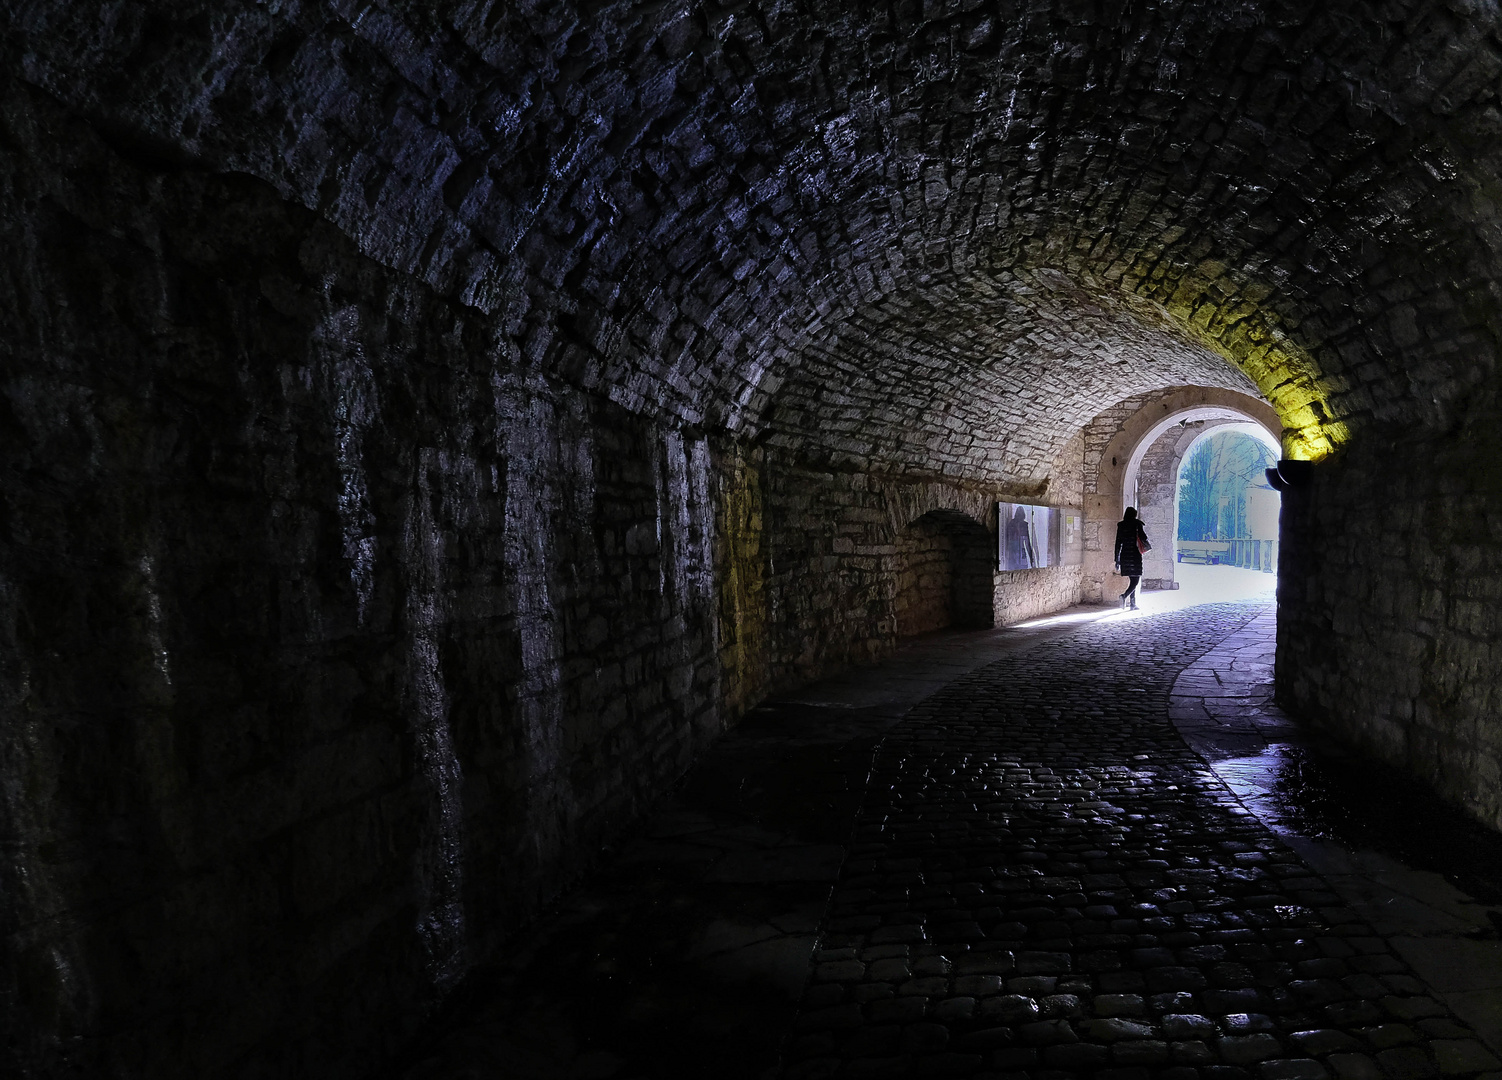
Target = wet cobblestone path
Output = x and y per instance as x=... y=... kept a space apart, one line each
x=1045 y=881
x=1005 y=861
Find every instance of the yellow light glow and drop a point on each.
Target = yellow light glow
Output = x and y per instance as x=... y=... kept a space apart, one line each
x=1287 y=376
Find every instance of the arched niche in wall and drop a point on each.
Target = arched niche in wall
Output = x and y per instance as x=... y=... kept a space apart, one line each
x=945 y=565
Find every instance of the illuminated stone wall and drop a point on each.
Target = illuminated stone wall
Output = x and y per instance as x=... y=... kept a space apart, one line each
x=832 y=556
x=1026 y=594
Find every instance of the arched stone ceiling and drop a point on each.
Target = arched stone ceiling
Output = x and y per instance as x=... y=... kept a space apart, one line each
x=982 y=385
x=937 y=235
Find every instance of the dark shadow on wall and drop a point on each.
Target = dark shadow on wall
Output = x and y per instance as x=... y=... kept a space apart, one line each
x=945 y=565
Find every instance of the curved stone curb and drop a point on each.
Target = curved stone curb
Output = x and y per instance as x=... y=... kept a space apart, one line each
x=1223 y=706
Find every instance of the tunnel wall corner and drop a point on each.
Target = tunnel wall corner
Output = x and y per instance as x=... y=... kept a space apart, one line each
x=1390 y=610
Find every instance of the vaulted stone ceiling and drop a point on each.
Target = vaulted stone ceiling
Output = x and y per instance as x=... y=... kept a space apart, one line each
x=939 y=236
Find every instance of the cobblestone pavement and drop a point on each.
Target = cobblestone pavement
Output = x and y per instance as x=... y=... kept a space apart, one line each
x=685 y=953
x=1046 y=881
x=1420 y=872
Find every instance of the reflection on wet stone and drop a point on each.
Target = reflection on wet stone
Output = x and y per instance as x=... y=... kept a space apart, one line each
x=1045 y=881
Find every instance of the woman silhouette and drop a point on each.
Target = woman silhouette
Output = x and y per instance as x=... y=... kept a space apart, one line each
x=1131 y=539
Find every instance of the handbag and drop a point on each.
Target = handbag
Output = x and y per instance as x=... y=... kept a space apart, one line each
x=1143 y=547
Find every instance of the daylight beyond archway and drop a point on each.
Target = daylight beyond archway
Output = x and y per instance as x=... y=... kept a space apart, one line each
x=1225 y=541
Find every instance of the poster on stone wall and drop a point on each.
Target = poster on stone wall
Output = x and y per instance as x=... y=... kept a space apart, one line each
x=1030 y=537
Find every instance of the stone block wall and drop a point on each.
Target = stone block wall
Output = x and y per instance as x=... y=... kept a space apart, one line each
x=740 y=556
x=1097 y=583
x=1390 y=608
x=333 y=639
x=830 y=544
x=925 y=579
x=424 y=426
x=1026 y=594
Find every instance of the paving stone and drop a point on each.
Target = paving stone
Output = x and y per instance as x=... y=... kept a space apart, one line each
x=1354 y=1067
x=1143 y=1052
x=1369 y=986
x=1325 y=1041
x=1385 y=1036
x=1455 y=1056
x=933 y=986
x=1192 y=1052
x=1067 y=1006
x=1411 y=1008
x=978 y=985
x=1247 y=1023
x=1246 y=1049
x=1009 y=1009
x=1078 y=1057
x=1292 y=1069
x=1047 y=1032
x=1354 y=1013
x=955 y=1009
x=1407 y=1063
x=1038 y=985
x=1443 y=1028
x=997 y=800
x=1187 y=1026
x=1112 y=1030
x=1224 y=1002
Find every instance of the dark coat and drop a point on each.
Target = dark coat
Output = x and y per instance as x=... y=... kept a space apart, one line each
x=1127 y=554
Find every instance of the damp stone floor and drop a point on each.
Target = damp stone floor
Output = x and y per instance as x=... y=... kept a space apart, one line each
x=1087 y=846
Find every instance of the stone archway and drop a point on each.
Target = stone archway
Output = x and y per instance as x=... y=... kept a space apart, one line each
x=945 y=563
x=1119 y=468
x=1152 y=485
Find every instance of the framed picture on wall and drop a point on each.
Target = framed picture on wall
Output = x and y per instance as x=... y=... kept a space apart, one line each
x=1031 y=537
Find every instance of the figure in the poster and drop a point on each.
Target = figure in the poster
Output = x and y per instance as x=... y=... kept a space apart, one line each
x=1021 y=554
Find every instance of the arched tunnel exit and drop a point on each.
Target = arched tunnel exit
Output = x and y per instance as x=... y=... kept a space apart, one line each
x=473 y=475
x=1200 y=487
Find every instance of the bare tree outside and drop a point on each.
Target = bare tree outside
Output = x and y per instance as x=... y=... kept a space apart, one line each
x=1213 y=484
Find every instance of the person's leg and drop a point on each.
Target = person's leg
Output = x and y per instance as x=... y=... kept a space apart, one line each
x=1131 y=593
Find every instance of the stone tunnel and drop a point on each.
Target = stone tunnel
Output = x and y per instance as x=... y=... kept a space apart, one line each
x=429 y=430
